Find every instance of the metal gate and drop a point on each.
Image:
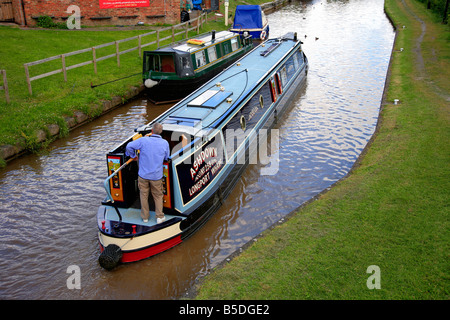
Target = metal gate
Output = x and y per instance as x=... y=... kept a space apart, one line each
x=6 y=10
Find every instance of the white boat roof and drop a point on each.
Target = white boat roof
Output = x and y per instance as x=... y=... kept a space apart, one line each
x=203 y=108
x=187 y=47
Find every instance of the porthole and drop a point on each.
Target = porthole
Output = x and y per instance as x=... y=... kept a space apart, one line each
x=243 y=123
x=261 y=101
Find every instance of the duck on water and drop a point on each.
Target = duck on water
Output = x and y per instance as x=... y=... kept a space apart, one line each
x=210 y=134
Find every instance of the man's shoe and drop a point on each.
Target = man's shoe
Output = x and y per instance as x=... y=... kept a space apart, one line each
x=160 y=220
x=145 y=220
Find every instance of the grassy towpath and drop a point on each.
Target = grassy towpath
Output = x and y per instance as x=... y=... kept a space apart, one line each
x=391 y=211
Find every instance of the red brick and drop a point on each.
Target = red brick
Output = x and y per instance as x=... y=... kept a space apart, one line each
x=91 y=8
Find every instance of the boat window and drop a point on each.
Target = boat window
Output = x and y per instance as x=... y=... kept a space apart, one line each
x=273 y=91
x=296 y=60
x=185 y=62
x=212 y=53
x=243 y=123
x=290 y=69
x=152 y=63
x=283 y=75
x=234 y=44
x=226 y=47
x=300 y=57
x=159 y=63
x=200 y=58
x=148 y=63
x=167 y=64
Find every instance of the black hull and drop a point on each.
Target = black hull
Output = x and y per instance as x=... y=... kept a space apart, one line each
x=174 y=90
x=167 y=91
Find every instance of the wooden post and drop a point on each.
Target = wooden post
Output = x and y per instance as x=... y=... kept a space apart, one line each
x=5 y=86
x=27 y=73
x=63 y=60
x=94 y=59
x=157 y=39
x=226 y=12
x=187 y=29
x=173 y=34
x=117 y=54
x=139 y=46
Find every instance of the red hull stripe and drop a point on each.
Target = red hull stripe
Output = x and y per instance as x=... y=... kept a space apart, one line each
x=144 y=253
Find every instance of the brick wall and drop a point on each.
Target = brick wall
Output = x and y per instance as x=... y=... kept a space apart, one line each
x=162 y=11
x=18 y=12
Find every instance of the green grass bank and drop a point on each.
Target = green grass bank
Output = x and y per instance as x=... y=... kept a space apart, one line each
x=391 y=211
x=28 y=121
x=54 y=100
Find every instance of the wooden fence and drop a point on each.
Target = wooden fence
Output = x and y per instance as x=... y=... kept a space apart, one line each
x=64 y=68
x=5 y=85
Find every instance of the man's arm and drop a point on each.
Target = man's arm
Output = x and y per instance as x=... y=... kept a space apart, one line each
x=167 y=152
x=132 y=147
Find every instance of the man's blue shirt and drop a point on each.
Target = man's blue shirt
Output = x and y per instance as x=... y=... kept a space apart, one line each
x=153 y=151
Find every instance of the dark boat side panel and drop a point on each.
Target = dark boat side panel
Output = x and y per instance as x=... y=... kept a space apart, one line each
x=234 y=171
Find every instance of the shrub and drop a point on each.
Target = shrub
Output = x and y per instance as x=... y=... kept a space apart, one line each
x=47 y=22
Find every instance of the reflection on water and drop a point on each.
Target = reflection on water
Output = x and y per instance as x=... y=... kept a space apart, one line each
x=48 y=202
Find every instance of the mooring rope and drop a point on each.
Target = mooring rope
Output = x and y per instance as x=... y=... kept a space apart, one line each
x=97 y=85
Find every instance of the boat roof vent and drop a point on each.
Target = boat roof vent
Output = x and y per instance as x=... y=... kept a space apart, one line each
x=270 y=49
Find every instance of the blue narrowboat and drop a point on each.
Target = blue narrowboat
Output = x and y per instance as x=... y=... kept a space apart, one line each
x=251 y=20
x=209 y=133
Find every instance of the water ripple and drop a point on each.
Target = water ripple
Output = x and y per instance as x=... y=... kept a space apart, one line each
x=48 y=202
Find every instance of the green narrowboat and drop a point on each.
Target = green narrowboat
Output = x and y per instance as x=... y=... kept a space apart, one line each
x=172 y=72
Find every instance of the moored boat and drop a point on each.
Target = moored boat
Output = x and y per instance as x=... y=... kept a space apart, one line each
x=209 y=133
x=172 y=72
x=250 y=19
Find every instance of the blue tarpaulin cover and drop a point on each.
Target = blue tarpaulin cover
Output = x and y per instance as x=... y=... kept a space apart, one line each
x=248 y=17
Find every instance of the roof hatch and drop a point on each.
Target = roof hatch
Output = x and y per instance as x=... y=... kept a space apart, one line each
x=210 y=99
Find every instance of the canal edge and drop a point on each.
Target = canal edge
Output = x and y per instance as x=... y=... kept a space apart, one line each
x=191 y=293
x=10 y=152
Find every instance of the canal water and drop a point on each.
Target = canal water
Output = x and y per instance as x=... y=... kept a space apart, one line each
x=48 y=202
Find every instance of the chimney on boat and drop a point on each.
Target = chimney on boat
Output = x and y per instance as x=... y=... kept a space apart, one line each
x=213 y=35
